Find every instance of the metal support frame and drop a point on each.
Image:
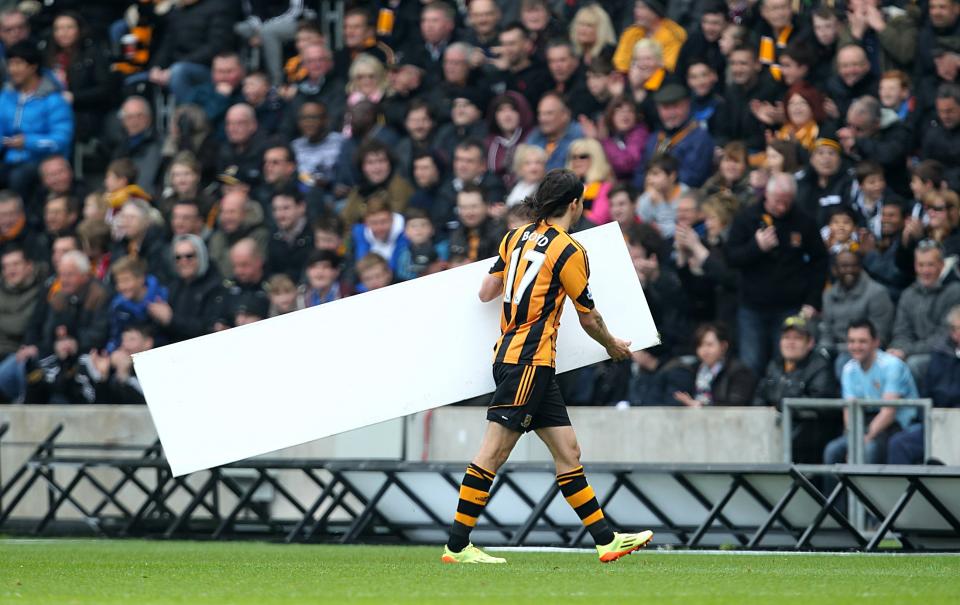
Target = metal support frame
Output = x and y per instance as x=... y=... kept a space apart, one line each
x=340 y=510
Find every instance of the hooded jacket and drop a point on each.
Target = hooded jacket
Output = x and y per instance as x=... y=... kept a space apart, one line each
x=921 y=313
x=43 y=118
x=194 y=301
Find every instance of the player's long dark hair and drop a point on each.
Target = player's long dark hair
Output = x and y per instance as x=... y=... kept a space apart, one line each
x=558 y=188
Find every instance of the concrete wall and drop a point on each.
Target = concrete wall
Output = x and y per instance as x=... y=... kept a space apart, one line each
x=717 y=435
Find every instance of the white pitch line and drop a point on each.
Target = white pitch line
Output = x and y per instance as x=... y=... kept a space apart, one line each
x=749 y=553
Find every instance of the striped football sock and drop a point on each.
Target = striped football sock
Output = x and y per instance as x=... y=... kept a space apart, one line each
x=580 y=496
x=474 y=492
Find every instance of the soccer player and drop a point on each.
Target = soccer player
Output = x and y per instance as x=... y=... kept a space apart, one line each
x=540 y=265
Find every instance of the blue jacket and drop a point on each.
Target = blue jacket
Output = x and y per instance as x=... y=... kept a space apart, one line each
x=44 y=118
x=694 y=153
x=361 y=246
x=124 y=311
x=557 y=159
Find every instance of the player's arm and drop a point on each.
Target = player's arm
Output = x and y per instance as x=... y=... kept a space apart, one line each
x=491 y=287
x=593 y=324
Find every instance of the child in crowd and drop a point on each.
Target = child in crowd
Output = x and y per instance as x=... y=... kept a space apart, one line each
x=120 y=185
x=927 y=176
x=840 y=232
x=135 y=291
x=96 y=207
x=658 y=204
x=420 y=256
x=381 y=232
x=374 y=273
x=283 y=294
x=322 y=284
x=623 y=207
x=871 y=194
x=895 y=94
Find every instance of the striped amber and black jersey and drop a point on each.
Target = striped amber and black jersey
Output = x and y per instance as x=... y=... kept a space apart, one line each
x=540 y=265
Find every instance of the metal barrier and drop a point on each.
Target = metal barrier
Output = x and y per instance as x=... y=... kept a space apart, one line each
x=857 y=429
x=129 y=491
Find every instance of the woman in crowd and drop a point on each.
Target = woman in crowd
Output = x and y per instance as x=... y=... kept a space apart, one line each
x=732 y=176
x=509 y=119
x=184 y=184
x=942 y=210
x=716 y=378
x=83 y=69
x=781 y=156
x=626 y=137
x=592 y=34
x=702 y=264
x=378 y=179
x=586 y=159
x=645 y=77
x=368 y=82
x=529 y=168
x=803 y=105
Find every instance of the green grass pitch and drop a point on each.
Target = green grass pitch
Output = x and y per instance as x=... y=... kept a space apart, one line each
x=142 y=572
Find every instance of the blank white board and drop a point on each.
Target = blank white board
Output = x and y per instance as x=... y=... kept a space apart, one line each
x=366 y=359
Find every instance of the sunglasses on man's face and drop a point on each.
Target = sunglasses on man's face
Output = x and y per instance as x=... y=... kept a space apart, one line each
x=938 y=208
x=187 y=256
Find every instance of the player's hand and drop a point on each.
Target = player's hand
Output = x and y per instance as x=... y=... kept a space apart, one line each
x=619 y=350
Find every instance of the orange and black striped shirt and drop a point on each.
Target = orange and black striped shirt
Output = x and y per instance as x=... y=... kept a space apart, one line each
x=540 y=265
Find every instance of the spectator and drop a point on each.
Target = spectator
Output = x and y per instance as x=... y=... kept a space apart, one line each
x=35 y=120
x=266 y=101
x=529 y=168
x=140 y=142
x=120 y=186
x=195 y=31
x=872 y=374
x=890 y=37
x=731 y=176
x=704 y=269
x=782 y=264
x=520 y=69
x=943 y=21
x=185 y=219
x=60 y=217
x=852 y=80
x=245 y=298
x=316 y=151
x=239 y=219
x=869 y=201
x=138 y=234
x=427 y=171
x=437 y=25
x=222 y=91
x=941 y=137
x=923 y=308
x=469 y=167
x=421 y=255
x=555 y=130
x=380 y=179
x=592 y=34
x=14 y=28
x=283 y=295
x=717 y=378
x=20 y=290
x=245 y=144
x=645 y=77
x=853 y=297
x=94 y=238
x=679 y=136
x=374 y=273
x=322 y=282
x=567 y=72
x=840 y=232
x=649 y=21
x=14 y=230
x=478 y=236
x=778 y=27
x=543 y=25
x=880 y=253
x=509 y=120
x=365 y=126
x=941 y=208
x=483 y=16
x=382 y=233
x=803 y=105
x=367 y=81
x=56 y=179
x=587 y=160
x=799 y=371
x=136 y=290
x=704 y=84
x=185 y=184
x=466 y=122
x=874 y=133
x=359 y=38
x=752 y=100
x=190 y=130
x=319 y=85
x=420 y=126
x=662 y=288
x=626 y=137
x=81 y=65
x=662 y=192
x=623 y=207
x=702 y=44
x=113 y=377
x=824 y=185
x=405 y=85
x=269 y=25
x=292 y=239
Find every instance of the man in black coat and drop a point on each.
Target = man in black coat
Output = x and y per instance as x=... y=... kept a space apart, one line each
x=320 y=86
x=292 y=239
x=875 y=133
x=799 y=371
x=853 y=79
x=783 y=268
x=242 y=153
x=751 y=101
x=190 y=307
x=941 y=137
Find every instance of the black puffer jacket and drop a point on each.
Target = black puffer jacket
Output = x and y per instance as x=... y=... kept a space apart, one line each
x=194 y=305
x=196 y=32
x=813 y=377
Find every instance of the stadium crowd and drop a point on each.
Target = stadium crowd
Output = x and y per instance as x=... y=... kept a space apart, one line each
x=784 y=174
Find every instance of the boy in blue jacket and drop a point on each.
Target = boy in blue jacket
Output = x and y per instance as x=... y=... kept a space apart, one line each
x=135 y=291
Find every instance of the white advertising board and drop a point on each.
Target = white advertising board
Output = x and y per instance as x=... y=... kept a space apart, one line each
x=366 y=359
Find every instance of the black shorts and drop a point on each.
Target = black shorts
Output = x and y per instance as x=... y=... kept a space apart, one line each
x=527 y=398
